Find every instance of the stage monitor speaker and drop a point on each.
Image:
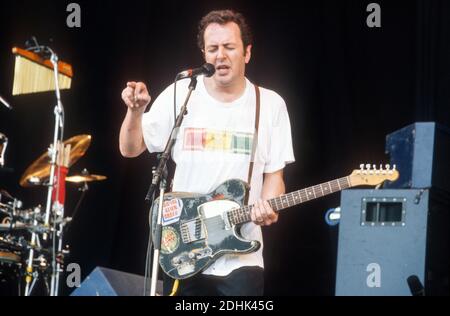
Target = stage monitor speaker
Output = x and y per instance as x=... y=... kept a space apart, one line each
x=107 y=282
x=392 y=242
x=421 y=152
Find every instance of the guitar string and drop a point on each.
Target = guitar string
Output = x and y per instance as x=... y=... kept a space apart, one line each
x=290 y=199
x=243 y=213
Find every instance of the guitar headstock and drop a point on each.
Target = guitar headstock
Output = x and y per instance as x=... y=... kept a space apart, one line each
x=370 y=175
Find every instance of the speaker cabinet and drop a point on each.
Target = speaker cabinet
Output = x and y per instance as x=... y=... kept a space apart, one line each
x=387 y=237
x=107 y=282
x=421 y=152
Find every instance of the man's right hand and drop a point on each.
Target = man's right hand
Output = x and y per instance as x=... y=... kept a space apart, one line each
x=136 y=96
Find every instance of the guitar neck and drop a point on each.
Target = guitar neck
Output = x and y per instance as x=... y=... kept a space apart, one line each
x=242 y=215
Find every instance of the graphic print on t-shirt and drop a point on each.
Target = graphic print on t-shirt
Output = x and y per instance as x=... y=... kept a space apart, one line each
x=206 y=139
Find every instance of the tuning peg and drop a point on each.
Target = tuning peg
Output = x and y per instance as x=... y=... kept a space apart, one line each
x=361 y=168
x=374 y=167
x=388 y=166
x=368 y=166
x=377 y=171
x=393 y=169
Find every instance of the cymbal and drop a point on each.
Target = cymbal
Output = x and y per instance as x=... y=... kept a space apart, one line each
x=85 y=178
x=39 y=170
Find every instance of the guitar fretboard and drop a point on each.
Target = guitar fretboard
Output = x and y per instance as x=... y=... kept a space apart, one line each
x=242 y=215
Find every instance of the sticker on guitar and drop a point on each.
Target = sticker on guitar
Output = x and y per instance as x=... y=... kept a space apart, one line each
x=170 y=240
x=171 y=211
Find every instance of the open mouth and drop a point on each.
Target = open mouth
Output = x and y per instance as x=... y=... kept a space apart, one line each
x=222 y=67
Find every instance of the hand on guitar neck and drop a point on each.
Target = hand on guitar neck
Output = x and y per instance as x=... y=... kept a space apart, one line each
x=262 y=212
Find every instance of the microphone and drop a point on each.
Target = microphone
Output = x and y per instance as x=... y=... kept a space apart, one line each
x=5 y=103
x=207 y=69
x=415 y=286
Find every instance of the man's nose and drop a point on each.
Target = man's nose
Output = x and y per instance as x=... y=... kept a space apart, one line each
x=221 y=53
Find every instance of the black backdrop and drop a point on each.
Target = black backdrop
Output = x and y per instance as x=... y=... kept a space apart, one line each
x=346 y=87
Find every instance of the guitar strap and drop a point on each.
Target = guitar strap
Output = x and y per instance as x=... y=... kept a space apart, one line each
x=255 y=141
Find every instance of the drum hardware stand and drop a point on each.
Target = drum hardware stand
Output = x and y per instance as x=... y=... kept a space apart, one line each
x=53 y=152
x=4 y=141
x=160 y=176
x=34 y=275
x=59 y=124
x=5 y=103
x=31 y=275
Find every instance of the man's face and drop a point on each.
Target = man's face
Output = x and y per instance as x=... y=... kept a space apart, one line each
x=225 y=50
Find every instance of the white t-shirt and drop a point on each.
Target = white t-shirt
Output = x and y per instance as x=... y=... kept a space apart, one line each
x=214 y=144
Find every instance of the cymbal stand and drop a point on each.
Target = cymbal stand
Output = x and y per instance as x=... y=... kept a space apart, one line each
x=58 y=211
x=83 y=190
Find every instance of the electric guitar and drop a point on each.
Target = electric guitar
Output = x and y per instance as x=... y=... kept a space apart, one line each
x=199 y=228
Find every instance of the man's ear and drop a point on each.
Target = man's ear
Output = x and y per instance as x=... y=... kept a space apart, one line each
x=248 y=53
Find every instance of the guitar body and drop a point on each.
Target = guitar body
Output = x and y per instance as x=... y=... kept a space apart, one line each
x=196 y=230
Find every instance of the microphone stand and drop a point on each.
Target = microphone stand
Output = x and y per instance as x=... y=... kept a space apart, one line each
x=159 y=175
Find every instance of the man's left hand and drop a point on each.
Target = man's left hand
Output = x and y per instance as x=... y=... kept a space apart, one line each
x=262 y=214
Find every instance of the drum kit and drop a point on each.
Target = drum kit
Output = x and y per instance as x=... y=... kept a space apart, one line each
x=31 y=239
x=27 y=241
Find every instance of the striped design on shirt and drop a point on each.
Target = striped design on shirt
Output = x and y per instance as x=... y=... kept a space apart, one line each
x=202 y=139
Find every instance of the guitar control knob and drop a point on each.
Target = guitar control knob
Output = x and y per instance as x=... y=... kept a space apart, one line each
x=176 y=261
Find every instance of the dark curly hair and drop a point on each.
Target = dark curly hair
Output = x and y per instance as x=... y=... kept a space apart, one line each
x=223 y=17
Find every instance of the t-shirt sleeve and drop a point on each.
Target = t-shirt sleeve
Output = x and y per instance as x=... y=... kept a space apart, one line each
x=158 y=121
x=280 y=146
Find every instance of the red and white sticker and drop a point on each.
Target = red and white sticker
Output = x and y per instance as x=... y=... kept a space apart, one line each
x=171 y=211
x=169 y=240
